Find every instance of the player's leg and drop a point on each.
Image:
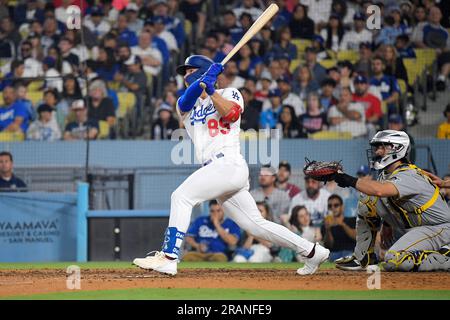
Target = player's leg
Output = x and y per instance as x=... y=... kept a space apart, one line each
x=418 y=250
x=241 y=207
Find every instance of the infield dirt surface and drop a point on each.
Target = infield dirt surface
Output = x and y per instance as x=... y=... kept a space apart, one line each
x=18 y=282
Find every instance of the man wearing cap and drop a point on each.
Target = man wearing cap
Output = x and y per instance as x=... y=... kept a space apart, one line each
x=443 y=131
x=386 y=85
x=284 y=173
x=173 y=24
x=269 y=117
x=97 y=23
x=278 y=200
x=231 y=74
x=52 y=76
x=166 y=36
x=364 y=64
x=45 y=128
x=151 y=57
x=77 y=130
x=318 y=71
x=134 y=23
x=165 y=124
x=125 y=34
x=288 y=97
x=360 y=34
x=133 y=79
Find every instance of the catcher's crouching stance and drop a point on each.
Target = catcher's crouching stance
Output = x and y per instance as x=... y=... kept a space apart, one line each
x=404 y=201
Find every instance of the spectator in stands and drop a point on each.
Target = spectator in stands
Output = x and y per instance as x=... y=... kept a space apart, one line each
x=304 y=83
x=345 y=69
x=51 y=32
x=212 y=43
x=45 y=128
x=66 y=47
x=284 y=45
x=339 y=232
x=394 y=63
x=165 y=35
x=301 y=25
x=288 y=97
x=133 y=80
x=63 y=67
x=249 y=7
x=318 y=71
x=278 y=200
x=275 y=71
x=33 y=67
x=27 y=12
x=352 y=39
x=125 y=34
x=318 y=43
x=364 y=65
x=134 y=23
x=53 y=78
x=351 y=196
x=387 y=85
x=165 y=124
x=372 y=105
x=333 y=33
x=9 y=182
x=193 y=11
x=443 y=131
x=82 y=128
x=13 y=116
x=290 y=127
x=315 y=118
x=212 y=237
x=106 y=66
x=253 y=249
x=404 y=47
x=151 y=57
x=17 y=71
x=393 y=27
x=252 y=110
x=22 y=99
x=173 y=24
x=319 y=11
x=231 y=74
x=283 y=176
x=314 y=198
x=230 y=27
x=263 y=87
x=269 y=117
x=347 y=116
x=97 y=23
x=100 y=106
x=9 y=32
x=248 y=64
x=123 y=55
x=327 y=98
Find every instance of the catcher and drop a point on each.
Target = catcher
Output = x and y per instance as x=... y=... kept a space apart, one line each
x=404 y=203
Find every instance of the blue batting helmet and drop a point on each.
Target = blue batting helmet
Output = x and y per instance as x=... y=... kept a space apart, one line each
x=199 y=62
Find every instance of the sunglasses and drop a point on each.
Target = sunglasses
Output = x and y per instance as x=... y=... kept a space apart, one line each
x=334 y=205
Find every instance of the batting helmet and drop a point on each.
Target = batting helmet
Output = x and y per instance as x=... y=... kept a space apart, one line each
x=199 y=62
x=399 y=148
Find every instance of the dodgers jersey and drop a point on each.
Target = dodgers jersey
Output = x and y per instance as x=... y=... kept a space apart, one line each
x=209 y=133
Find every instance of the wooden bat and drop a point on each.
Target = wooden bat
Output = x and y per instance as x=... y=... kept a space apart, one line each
x=254 y=29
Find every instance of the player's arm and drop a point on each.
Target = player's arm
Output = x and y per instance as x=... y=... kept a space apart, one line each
x=194 y=244
x=229 y=110
x=15 y=126
x=368 y=187
x=187 y=101
x=229 y=238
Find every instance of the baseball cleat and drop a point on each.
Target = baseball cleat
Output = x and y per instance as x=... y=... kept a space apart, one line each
x=312 y=264
x=158 y=262
x=350 y=263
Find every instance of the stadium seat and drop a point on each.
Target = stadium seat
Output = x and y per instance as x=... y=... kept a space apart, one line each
x=11 y=136
x=413 y=70
x=294 y=65
x=114 y=85
x=425 y=57
x=301 y=44
x=103 y=130
x=402 y=84
x=127 y=101
x=327 y=63
x=35 y=96
x=331 y=135
x=35 y=85
x=187 y=26
x=350 y=55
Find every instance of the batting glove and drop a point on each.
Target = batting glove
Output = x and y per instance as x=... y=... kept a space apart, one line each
x=215 y=69
x=209 y=82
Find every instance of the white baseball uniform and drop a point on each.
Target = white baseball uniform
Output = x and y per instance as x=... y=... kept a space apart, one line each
x=224 y=176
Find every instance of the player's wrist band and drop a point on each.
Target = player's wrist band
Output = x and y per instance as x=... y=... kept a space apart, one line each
x=344 y=180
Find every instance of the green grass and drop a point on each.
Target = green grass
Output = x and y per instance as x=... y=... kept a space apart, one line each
x=241 y=294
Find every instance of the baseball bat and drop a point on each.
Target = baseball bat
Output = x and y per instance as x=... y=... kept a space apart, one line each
x=254 y=29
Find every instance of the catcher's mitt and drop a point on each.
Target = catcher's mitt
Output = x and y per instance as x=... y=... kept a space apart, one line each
x=322 y=170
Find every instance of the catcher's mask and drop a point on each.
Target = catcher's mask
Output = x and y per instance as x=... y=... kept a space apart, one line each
x=201 y=63
x=396 y=143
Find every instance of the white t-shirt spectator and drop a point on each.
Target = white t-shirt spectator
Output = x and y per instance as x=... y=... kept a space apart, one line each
x=318 y=10
x=169 y=39
x=292 y=100
x=334 y=39
x=149 y=52
x=44 y=131
x=99 y=30
x=355 y=127
x=253 y=11
x=352 y=39
x=317 y=208
x=54 y=79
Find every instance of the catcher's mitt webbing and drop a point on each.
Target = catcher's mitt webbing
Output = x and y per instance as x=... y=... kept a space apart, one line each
x=322 y=170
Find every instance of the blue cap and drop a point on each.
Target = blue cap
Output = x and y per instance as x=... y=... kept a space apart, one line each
x=359 y=16
x=364 y=170
x=96 y=11
x=360 y=79
x=158 y=19
x=274 y=93
x=49 y=61
x=318 y=38
x=395 y=118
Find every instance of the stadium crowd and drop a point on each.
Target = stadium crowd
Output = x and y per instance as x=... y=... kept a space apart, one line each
x=316 y=68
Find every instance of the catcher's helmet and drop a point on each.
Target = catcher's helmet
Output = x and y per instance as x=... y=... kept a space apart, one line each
x=399 y=144
x=202 y=63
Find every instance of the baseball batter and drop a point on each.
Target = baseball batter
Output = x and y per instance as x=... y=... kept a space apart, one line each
x=404 y=200
x=212 y=120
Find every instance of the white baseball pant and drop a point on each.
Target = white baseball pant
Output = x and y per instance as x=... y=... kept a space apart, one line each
x=226 y=179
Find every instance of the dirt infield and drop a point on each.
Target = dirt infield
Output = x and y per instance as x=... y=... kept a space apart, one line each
x=22 y=282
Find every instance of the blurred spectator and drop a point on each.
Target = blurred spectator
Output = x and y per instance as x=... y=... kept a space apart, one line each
x=443 y=131
x=394 y=63
x=9 y=182
x=101 y=107
x=283 y=45
x=213 y=44
x=290 y=127
x=299 y=223
x=78 y=129
x=123 y=54
x=151 y=57
x=251 y=114
x=27 y=12
x=269 y=117
x=387 y=85
x=22 y=99
x=52 y=98
x=404 y=47
x=333 y=33
x=134 y=23
x=173 y=24
x=288 y=97
x=17 y=72
x=351 y=196
x=283 y=175
x=352 y=39
x=253 y=249
x=230 y=26
x=364 y=65
x=193 y=10
x=63 y=67
x=9 y=31
x=339 y=232
x=278 y=200
x=301 y=25
x=327 y=98
x=248 y=6
x=248 y=64
x=372 y=105
x=33 y=67
x=231 y=74
x=318 y=43
x=125 y=34
x=212 y=237
x=393 y=27
x=315 y=119
x=345 y=12
x=345 y=69
x=51 y=33
x=318 y=71
x=420 y=15
x=165 y=124
x=66 y=47
x=318 y=10
x=53 y=78
x=45 y=128
x=13 y=116
x=264 y=86
x=162 y=33
x=304 y=83
x=347 y=116
x=106 y=66
x=97 y=23
x=314 y=198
